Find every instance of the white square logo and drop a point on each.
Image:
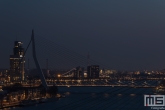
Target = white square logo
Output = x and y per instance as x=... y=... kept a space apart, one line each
x=154 y=100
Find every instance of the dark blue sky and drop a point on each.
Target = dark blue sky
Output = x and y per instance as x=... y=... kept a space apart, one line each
x=122 y=34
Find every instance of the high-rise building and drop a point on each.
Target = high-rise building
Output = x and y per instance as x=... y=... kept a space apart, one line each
x=17 y=62
x=93 y=71
x=79 y=72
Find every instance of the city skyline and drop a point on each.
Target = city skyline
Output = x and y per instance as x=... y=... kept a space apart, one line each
x=65 y=68
x=82 y=54
x=122 y=35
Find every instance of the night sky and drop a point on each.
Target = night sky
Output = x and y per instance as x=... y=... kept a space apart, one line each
x=121 y=34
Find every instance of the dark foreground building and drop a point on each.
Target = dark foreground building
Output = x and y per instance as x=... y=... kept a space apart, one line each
x=93 y=71
x=79 y=72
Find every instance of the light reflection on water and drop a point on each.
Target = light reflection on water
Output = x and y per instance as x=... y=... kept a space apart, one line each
x=67 y=93
x=132 y=94
x=119 y=94
x=95 y=98
x=106 y=95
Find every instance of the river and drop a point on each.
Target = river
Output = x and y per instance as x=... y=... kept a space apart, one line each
x=97 y=98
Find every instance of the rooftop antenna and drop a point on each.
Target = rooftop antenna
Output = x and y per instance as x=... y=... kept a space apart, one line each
x=28 y=67
x=88 y=59
x=28 y=63
x=47 y=64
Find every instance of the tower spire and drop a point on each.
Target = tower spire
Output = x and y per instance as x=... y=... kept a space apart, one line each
x=47 y=64
x=28 y=63
x=88 y=59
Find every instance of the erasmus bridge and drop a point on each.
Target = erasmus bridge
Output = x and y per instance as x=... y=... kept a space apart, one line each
x=119 y=90
x=61 y=56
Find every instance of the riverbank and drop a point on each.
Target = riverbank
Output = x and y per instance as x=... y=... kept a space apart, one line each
x=16 y=104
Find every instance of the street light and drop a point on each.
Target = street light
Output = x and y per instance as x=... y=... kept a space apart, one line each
x=59 y=75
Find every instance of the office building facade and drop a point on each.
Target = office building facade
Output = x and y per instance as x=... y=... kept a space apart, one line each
x=17 y=62
x=93 y=71
x=79 y=72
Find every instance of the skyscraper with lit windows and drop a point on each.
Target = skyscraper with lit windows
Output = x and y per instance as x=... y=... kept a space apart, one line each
x=17 y=62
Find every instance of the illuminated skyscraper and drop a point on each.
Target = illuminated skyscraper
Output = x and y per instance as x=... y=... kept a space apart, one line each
x=17 y=62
